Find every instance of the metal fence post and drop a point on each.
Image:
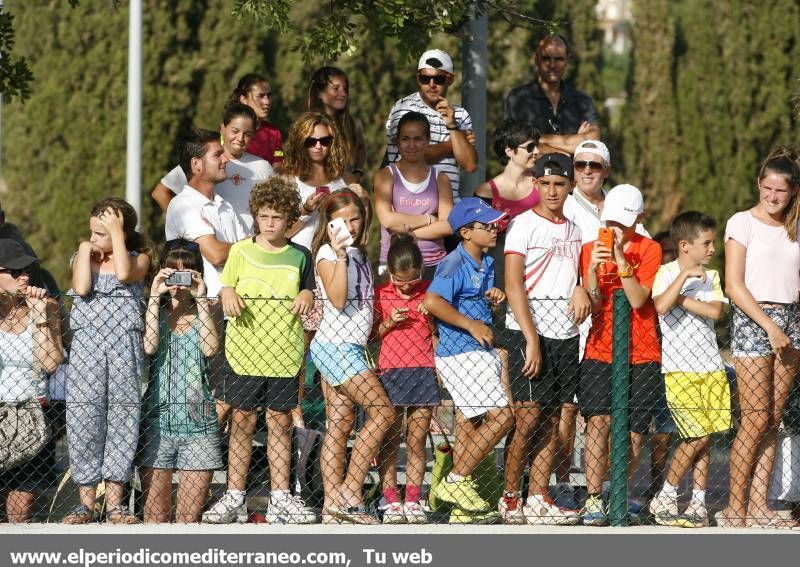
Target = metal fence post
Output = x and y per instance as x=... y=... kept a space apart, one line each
x=620 y=438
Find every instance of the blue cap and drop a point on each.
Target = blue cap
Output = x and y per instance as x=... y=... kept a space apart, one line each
x=470 y=210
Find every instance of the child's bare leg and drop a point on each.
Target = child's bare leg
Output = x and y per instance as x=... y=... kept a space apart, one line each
x=496 y=423
x=157 y=488
x=566 y=442
x=88 y=495
x=418 y=423
x=340 y=416
x=700 y=469
x=686 y=455
x=659 y=449
x=544 y=449
x=114 y=491
x=192 y=493
x=387 y=454
x=19 y=506
x=279 y=448
x=365 y=390
x=526 y=419
x=597 y=429
x=240 y=449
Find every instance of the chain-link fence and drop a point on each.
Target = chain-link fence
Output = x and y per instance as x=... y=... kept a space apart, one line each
x=163 y=414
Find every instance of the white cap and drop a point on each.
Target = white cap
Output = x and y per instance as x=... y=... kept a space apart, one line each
x=437 y=60
x=623 y=204
x=595 y=147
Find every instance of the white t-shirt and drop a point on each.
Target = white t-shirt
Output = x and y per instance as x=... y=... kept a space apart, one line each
x=242 y=174
x=552 y=267
x=772 y=261
x=586 y=215
x=305 y=235
x=353 y=323
x=688 y=341
x=439 y=133
x=191 y=215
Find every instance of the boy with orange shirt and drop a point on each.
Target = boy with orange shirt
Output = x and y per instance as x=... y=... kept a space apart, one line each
x=631 y=265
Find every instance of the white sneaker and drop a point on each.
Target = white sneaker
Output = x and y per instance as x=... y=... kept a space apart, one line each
x=510 y=508
x=696 y=514
x=540 y=510
x=290 y=510
x=664 y=509
x=227 y=510
x=393 y=513
x=414 y=513
x=564 y=496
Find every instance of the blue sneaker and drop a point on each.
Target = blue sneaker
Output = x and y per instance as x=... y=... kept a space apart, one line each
x=594 y=513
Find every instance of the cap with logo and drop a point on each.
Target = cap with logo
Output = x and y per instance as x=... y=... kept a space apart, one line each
x=470 y=210
x=437 y=60
x=594 y=147
x=554 y=164
x=13 y=255
x=623 y=204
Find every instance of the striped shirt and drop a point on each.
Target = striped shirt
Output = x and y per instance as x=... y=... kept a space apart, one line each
x=439 y=133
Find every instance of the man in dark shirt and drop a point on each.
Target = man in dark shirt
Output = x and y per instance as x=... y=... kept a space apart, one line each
x=563 y=115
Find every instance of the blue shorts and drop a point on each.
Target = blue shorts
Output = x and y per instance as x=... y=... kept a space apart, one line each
x=338 y=362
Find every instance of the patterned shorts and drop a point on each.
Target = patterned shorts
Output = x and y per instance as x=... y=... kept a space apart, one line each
x=749 y=339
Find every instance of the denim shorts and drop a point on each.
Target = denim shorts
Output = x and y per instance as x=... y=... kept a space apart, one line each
x=198 y=453
x=749 y=339
x=338 y=362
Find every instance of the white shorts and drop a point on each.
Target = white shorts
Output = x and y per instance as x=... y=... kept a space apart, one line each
x=473 y=380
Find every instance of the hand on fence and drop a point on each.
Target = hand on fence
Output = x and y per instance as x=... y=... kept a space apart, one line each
x=580 y=305
x=495 y=296
x=303 y=303
x=232 y=304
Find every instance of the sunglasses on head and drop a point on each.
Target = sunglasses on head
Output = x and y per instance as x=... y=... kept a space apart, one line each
x=424 y=79
x=593 y=165
x=529 y=147
x=310 y=142
x=16 y=273
x=180 y=243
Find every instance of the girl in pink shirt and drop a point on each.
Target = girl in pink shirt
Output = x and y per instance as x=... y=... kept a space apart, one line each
x=407 y=371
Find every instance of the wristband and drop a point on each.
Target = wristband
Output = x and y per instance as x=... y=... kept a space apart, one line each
x=452 y=127
x=626 y=273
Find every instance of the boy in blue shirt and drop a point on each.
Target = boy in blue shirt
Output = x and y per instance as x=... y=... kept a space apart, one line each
x=460 y=297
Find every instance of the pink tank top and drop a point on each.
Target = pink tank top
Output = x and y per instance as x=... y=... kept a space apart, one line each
x=512 y=207
x=426 y=202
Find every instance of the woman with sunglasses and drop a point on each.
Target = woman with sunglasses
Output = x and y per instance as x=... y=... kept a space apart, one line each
x=243 y=169
x=328 y=93
x=412 y=196
x=514 y=190
x=30 y=345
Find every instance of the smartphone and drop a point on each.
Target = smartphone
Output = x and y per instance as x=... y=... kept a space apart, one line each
x=606 y=237
x=323 y=190
x=337 y=225
x=181 y=278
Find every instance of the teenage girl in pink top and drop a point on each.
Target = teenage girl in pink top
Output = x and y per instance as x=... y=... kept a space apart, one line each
x=411 y=196
x=762 y=278
x=514 y=190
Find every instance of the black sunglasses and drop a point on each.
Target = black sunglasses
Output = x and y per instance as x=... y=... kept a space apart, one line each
x=310 y=142
x=16 y=273
x=180 y=243
x=593 y=165
x=529 y=147
x=424 y=79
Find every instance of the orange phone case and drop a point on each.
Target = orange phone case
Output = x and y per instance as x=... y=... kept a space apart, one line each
x=606 y=236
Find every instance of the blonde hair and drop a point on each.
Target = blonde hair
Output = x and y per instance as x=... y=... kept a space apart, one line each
x=295 y=154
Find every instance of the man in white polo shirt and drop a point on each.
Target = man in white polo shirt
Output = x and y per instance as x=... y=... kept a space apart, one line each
x=197 y=213
x=452 y=140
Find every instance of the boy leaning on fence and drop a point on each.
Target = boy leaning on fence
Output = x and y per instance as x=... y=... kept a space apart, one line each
x=629 y=264
x=689 y=298
x=267 y=283
x=459 y=298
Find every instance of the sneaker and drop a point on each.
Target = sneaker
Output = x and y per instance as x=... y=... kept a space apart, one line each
x=664 y=509
x=415 y=513
x=696 y=515
x=462 y=494
x=540 y=510
x=510 y=508
x=393 y=513
x=458 y=516
x=594 y=513
x=290 y=510
x=226 y=510
x=564 y=496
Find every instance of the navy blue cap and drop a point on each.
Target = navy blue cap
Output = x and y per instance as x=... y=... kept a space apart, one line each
x=554 y=164
x=470 y=210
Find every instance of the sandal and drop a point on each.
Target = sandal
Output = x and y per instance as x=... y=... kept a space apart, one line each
x=121 y=515
x=775 y=523
x=79 y=515
x=354 y=515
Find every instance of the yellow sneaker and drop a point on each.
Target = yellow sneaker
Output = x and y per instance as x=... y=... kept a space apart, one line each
x=462 y=494
x=458 y=516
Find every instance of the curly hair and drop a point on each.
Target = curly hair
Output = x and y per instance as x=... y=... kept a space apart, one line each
x=278 y=194
x=295 y=154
